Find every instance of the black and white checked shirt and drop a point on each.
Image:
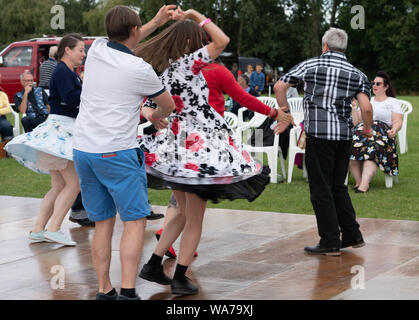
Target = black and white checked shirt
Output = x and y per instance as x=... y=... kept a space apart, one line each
x=330 y=83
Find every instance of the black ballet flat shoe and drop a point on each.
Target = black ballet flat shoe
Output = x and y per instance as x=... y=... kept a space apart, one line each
x=360 y=191
x=355 y=188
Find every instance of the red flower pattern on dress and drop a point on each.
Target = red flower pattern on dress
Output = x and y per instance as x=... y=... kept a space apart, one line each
x=231 y=143
x=223 y=180
x=150 y=158
x=194 y=142
x=179 y=103
x=175 y=126
x=192 y=166
x=246 y=156
x=197 y=66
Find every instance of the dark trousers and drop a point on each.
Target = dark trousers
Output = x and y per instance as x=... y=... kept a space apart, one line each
x=327 y=166
x=6 y=129
x=30 y=123
x=78 y=204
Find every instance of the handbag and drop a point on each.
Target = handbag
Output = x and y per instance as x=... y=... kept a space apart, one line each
x=302 y=140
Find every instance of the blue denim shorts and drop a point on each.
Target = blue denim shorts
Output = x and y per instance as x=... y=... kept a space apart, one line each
x=112 y=182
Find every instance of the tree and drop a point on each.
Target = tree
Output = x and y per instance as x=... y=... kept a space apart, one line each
x=21 y=19
x=389 y=41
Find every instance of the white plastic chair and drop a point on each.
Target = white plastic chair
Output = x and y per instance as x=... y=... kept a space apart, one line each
x=271 y=102
x=16 y=125
x=297 y=112
x=271 y=151
x=402 y=134
x=406 y=108
x=231 y=119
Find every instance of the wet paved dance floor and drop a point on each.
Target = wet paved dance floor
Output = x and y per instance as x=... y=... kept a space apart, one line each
x=242 y=255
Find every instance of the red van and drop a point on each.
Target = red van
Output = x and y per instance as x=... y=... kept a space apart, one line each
x=26 y=55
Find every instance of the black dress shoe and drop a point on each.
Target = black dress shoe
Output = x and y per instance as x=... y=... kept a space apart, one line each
x=323 y=250
x=83 y=222
x=154 y=216
x=183 y=287
x=354 y=244
x=154 y=274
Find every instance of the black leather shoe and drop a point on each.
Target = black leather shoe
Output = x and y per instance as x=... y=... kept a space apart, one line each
x=183 y=287
x=154 y=216
x=323 y=250
x=83 y=222
x=154 y=274
x=354 y=244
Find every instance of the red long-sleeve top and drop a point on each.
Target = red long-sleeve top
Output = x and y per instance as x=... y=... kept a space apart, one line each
x=220 y=79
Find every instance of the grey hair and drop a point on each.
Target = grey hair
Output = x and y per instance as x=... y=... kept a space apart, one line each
x=23 y=74
x=53 y=51
x=336 y=39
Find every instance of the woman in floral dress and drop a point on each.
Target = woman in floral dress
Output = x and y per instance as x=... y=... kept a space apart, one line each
x=379 y=151
x=197 y=156
x=49 y=147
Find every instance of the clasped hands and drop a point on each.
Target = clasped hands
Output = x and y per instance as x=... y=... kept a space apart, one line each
x=283 y=121
x=170 y=12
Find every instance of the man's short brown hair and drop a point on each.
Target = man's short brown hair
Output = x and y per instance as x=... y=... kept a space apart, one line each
x=119 y=22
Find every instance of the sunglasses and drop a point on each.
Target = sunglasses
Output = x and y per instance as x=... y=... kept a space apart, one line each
x=377 y=84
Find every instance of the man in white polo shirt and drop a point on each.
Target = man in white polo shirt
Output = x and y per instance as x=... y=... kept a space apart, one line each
x=106 y=155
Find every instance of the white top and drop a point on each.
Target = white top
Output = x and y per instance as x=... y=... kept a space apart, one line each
x=115 y=84
x=383 y=110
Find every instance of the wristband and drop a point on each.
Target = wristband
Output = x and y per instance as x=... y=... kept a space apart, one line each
x=273 y=114
x=368 y=131
x=153 y=119
x=203 y=23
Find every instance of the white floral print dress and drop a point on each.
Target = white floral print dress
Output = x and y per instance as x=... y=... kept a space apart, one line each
x=199 y=152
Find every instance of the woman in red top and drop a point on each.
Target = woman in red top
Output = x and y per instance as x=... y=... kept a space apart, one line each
x=219 y=79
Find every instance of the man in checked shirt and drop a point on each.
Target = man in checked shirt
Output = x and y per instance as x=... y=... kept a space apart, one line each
x=330 y=83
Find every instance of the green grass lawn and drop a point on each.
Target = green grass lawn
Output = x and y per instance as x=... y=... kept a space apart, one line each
x=400 y=202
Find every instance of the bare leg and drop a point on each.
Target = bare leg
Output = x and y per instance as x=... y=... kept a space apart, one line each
x=66 y=197
x=47 y=204
x=130 y=251
x=194 y=213
x=171 y=211
x=173 y=225
x=102 y=251
x=368 y=173
x=355 y=167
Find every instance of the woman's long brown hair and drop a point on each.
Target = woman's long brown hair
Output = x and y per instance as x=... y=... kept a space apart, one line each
x=180 y=38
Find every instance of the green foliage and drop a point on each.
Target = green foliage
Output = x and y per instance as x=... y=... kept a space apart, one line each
x=389 y=42
x=282 y=32
x=22 y=19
